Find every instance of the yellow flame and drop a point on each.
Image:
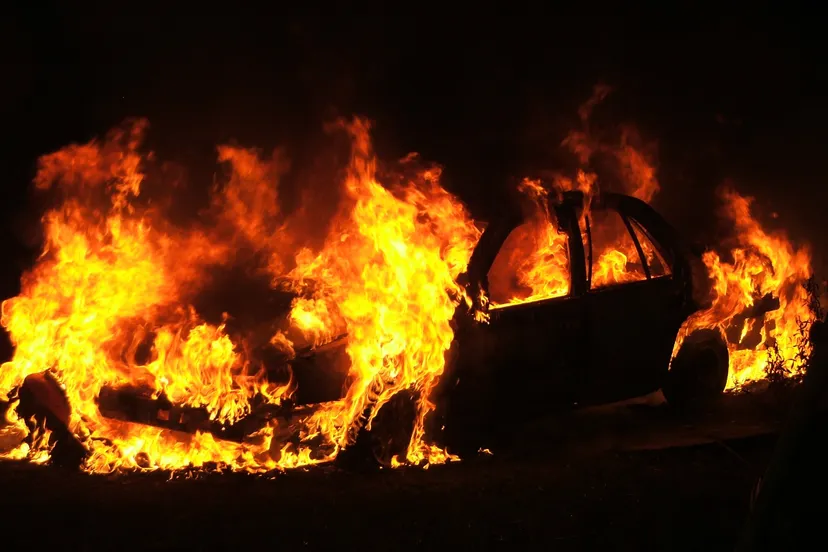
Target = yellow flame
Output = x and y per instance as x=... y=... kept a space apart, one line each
x=115 y=276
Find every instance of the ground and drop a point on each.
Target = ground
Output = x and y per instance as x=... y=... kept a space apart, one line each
x=626 y=477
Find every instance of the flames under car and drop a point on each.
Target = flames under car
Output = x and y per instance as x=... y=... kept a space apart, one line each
x=589 y=344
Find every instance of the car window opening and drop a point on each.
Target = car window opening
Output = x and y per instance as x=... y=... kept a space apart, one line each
x=532 y=265
x=658 y=266
x=618 y=259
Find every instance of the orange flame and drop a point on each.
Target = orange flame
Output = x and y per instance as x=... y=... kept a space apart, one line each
x=115 y=275
x=386 y=267
x=111 y=300
x=532 y=264
x=763 y=263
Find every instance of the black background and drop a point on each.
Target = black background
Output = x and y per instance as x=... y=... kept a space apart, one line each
x=726 y=95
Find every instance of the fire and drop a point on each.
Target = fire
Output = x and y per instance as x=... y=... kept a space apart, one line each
x=762 y=263
x=113 y=301
x=387 y=266
x=532 y=264
x=110 y=302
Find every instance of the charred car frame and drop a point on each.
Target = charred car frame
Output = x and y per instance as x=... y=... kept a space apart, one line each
x=591 y=345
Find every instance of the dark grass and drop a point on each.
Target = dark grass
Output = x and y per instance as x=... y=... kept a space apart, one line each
x=688 y=498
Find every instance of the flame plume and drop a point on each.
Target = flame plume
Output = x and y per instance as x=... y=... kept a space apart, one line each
x=113 y=300
x=763 y=263
x=116 y=276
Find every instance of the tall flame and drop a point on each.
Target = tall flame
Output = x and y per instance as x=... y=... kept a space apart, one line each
x=533 y=262
x=116 y=278
x=113 y=299
x=762 y=263
x=387 y=267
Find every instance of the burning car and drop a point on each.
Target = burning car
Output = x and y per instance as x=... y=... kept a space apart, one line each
x=140 y=342
x=623 y=286
x=592 y=336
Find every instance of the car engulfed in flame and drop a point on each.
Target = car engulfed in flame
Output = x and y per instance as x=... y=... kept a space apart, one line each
x=591 y=339
x=405 y=319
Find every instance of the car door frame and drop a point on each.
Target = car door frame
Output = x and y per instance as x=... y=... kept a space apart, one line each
x=680 y=304
x=567 y=213
x=478 y=332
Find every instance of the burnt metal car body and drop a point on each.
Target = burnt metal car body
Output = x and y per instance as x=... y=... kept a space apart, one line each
x=592 y=346
x=589 y=346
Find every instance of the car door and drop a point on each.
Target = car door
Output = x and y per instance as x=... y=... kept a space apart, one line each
x=538 y=346
x=633 y=308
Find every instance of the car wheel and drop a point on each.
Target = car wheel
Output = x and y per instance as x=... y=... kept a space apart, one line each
x=698 y=373
x=389 y=436
x=393 y=427
x=43 y=404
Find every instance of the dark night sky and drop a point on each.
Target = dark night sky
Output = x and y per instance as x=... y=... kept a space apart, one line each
x=737 y=98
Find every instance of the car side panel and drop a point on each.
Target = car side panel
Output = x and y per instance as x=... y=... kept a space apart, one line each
x=631 y=330
x=529 y=359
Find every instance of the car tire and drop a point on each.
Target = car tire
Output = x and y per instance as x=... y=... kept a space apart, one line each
x=393 y=427
x=698 y=373
x=42 y=402
x=389 y=436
